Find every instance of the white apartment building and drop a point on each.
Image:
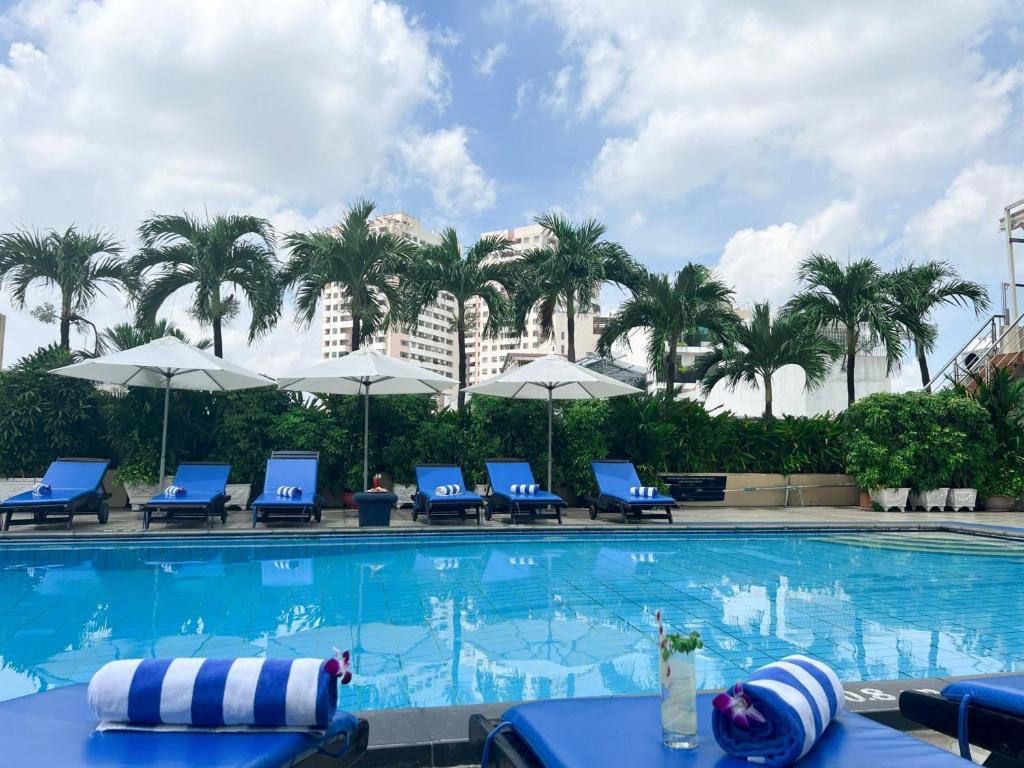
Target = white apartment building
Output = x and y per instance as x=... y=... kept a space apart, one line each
x=431 y=343
x=486 y=356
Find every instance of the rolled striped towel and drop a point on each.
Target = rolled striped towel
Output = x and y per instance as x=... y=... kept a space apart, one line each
x=646 y=491
x=174 y=490
x=42 y=489
x=775 y=716
x=448 y=490
x=525 y=489
x=223 y=694
x=289 y=491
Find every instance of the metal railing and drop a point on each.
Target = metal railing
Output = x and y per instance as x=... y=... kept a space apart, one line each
x=993 y=338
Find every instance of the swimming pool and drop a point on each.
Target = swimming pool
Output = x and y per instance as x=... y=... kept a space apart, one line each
x=458 y=619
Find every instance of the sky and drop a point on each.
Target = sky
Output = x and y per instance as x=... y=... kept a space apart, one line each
x=742 y=135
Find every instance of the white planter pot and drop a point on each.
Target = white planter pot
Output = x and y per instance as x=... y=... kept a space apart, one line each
x=930 y=501
x=962 y=499
x=404 y=494
x=140 y=494
x=891 y=499
x=238 y=495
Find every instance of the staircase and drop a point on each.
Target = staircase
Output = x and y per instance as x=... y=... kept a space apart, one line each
x=996 y=344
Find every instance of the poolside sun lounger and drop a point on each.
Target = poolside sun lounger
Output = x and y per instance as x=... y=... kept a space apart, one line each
x=57 y=728
x=426 y=501
x=76 y=488
x=992 y=718
x=505 y=473
x=614 y=479
x=294 y=468
x=205 y=496
x=626 y=731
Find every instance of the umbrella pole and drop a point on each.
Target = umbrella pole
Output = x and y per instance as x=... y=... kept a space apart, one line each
x=549 y=440
x=366 y=435
x=163 y=439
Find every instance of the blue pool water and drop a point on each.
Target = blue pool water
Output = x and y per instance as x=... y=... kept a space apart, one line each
x=444 y=619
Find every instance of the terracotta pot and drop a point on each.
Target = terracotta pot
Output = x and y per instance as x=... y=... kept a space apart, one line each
x=349 y=500
x=865 y=500
x=998 y=503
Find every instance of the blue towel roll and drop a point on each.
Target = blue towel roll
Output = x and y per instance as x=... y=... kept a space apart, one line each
x=448 y=490
x=217 y=693
x=646 y=491
x=174 y=490
x=289 y=491
x=777 y=714
x=42 y=489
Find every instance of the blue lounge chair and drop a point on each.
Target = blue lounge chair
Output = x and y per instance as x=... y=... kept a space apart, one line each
x=205 y=495
x=76 y=488
x=58 y=727
x=429 y=477
x=298 y=468
x=503 y=474
x=626 y=731
x=987 y=712
x=614 y=479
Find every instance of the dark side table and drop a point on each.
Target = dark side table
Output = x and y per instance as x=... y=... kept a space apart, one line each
x=375 y=508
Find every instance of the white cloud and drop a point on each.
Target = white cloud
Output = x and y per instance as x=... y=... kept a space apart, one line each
x=523 y=92
x=556 y=97
x=486 y=62
x=876 y=93
x=110 y=110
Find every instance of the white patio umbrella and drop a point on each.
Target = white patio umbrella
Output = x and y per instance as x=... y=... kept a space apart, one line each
x=360 y=372
x=166 y=364
x=552 y=378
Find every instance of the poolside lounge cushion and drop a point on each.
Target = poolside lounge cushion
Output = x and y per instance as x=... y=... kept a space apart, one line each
x=776 y=715
x=507 y=478
x=58 y=728
x=430 y=477
x=213 y=693
x=1003 y=694
x=299 y=472
x=205 y=483
x=626 y=731
x=68 y=479
x=617 y=479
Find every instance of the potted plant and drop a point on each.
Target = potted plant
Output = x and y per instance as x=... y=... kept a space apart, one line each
x=139 y=477
x=1002 y=485
x=885 y=473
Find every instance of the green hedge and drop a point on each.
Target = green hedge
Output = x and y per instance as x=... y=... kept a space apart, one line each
x=43 y=416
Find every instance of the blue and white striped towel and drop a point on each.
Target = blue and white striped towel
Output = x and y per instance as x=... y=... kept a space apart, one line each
x=174 y=490
x=525 y=489
x=42 y=489
x=289 y=491
x=775 y=716
x=222 y=694
x=646 y=491
x=448 y=490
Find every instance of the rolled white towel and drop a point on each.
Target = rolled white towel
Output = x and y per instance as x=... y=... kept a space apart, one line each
x=174 y=490
x=644 y=491
x=289 y=491
x=42 y=489
x=525 y=489
x=448 y=490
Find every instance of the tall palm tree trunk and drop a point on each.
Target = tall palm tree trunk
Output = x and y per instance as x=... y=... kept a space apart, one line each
x=570 y=322
x=851 y=364
x=922 y=362
x=218 y=338
x=461 y=329
x=670 y=369
x=768 y=396
x=357 y=328
x=65 y=325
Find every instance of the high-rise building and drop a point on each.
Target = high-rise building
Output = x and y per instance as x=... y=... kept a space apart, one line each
x=431 y=343
x=487 y=356
x=3 y=329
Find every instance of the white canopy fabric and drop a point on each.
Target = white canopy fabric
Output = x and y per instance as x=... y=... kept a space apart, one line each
x=167 y=364
x=552 y=378
x=365 y=372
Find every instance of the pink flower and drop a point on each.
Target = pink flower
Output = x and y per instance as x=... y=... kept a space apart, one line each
x=737 y=707
x=340 y=666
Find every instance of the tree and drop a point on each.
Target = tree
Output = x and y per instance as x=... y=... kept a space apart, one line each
x=569 y=274
x=762 y=346
x=207 y=255
x=670 y=308
x=80 y=265
x=365 y=264
x=917 y=290
x=856 y=300
x=480 y=271
x=122 y=336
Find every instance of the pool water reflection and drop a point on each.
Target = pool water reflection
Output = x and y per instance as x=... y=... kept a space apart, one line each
x=435 y=620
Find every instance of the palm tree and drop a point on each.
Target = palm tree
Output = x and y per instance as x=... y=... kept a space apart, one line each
x=480 y=271
x=569 y=274
x=362 y=262
x=207 y=255
x=918 y=289
x=80 y=265
x=117 y=338
x=762 y=346
x=856 y=300
x=671 y=308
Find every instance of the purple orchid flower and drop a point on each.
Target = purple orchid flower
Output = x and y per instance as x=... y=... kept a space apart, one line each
x=340 y=666
x=737 y=706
